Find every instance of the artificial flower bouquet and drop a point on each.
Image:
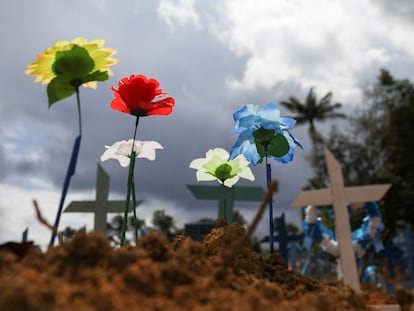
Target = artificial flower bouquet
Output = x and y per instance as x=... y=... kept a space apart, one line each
x=263 y=134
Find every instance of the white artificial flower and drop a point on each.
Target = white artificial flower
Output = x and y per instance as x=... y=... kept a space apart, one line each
x=121 y=151
x=217 y=166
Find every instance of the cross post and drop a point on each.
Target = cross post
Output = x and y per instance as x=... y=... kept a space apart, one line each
x=340 y=196
x=226 y=197
x=101 y=206
x=283 y=238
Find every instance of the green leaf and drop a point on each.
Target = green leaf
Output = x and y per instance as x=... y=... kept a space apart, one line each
x=96 y=76
x=262 y=135
x=261 y=150
x=279 y=146
x=262 y=139
x=269 y=144
x=58 y=89
x=74 y=63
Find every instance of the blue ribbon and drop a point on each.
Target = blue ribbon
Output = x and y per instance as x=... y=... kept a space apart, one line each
x=362 y=236
x=70 y=172
x=315 y=231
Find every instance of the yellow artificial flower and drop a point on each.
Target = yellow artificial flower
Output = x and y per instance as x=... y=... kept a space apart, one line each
x=42 y=68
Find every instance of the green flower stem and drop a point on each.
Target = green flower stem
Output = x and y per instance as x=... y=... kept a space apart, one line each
x=131 y=189
x=79 y=110
x=226 y=203
x=128 y=196
x=134 y=202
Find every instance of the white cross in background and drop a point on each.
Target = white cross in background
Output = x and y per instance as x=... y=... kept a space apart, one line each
x=340 y=197
x=101 y=206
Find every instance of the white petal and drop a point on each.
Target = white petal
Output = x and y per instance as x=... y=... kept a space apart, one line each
x=111 y=151
x=243 y=162
x=230 y=182
x=247 y=174
x=152 y=144
x=147 y=150
x=124 y=161
x=203 y=176
x=148 y=154
x=108 y=154
x=198 y=163
x=219 y=152
x=122 y=149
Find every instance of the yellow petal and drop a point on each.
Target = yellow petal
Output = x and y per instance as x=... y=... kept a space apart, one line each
x=102 y=57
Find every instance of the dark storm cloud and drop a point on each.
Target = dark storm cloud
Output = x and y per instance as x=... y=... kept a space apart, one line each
x=191 y=64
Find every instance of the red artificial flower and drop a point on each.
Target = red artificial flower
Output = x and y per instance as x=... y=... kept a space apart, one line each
x=141 y=97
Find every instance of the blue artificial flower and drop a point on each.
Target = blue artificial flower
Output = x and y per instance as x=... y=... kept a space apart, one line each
x=263 y=133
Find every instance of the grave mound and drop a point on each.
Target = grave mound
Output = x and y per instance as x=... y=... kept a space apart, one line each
x=87 y=273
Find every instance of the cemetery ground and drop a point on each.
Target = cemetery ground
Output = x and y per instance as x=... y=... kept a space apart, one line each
x=87 y=273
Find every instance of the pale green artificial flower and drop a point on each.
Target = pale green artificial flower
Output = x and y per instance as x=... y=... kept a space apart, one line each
x=121 y=151
x=217 y=166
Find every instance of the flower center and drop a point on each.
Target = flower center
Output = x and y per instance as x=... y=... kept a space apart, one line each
x=223 y=172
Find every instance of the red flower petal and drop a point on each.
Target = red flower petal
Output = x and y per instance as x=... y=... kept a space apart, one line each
x=162 y=107
x=136 y=94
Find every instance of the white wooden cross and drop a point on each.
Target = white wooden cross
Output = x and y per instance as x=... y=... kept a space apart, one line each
x=101 y=206
x=340 y=196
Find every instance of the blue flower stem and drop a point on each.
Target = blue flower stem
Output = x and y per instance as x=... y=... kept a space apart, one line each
x=131 y=187
x=271 y=221
x=70 y=172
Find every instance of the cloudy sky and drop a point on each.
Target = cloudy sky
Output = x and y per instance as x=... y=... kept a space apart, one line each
x=213 y=57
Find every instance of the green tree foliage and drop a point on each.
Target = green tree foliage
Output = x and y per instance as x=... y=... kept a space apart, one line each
x=312 y=110
x=238 y=218
x=308 y=112
x=378 y=145
x=114 y=228
x=163 y=222
x=166 y=224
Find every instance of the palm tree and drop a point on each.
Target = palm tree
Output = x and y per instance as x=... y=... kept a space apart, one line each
x=309 y=111
x=313 y=110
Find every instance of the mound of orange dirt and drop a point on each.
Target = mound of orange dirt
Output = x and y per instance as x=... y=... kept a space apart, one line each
x=87 y=273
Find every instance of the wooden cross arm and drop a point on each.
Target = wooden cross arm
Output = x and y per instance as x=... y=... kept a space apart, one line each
x=249 y=193
x=241 y=193
x=204 y=192
x=357 y=194
x=90 y=206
